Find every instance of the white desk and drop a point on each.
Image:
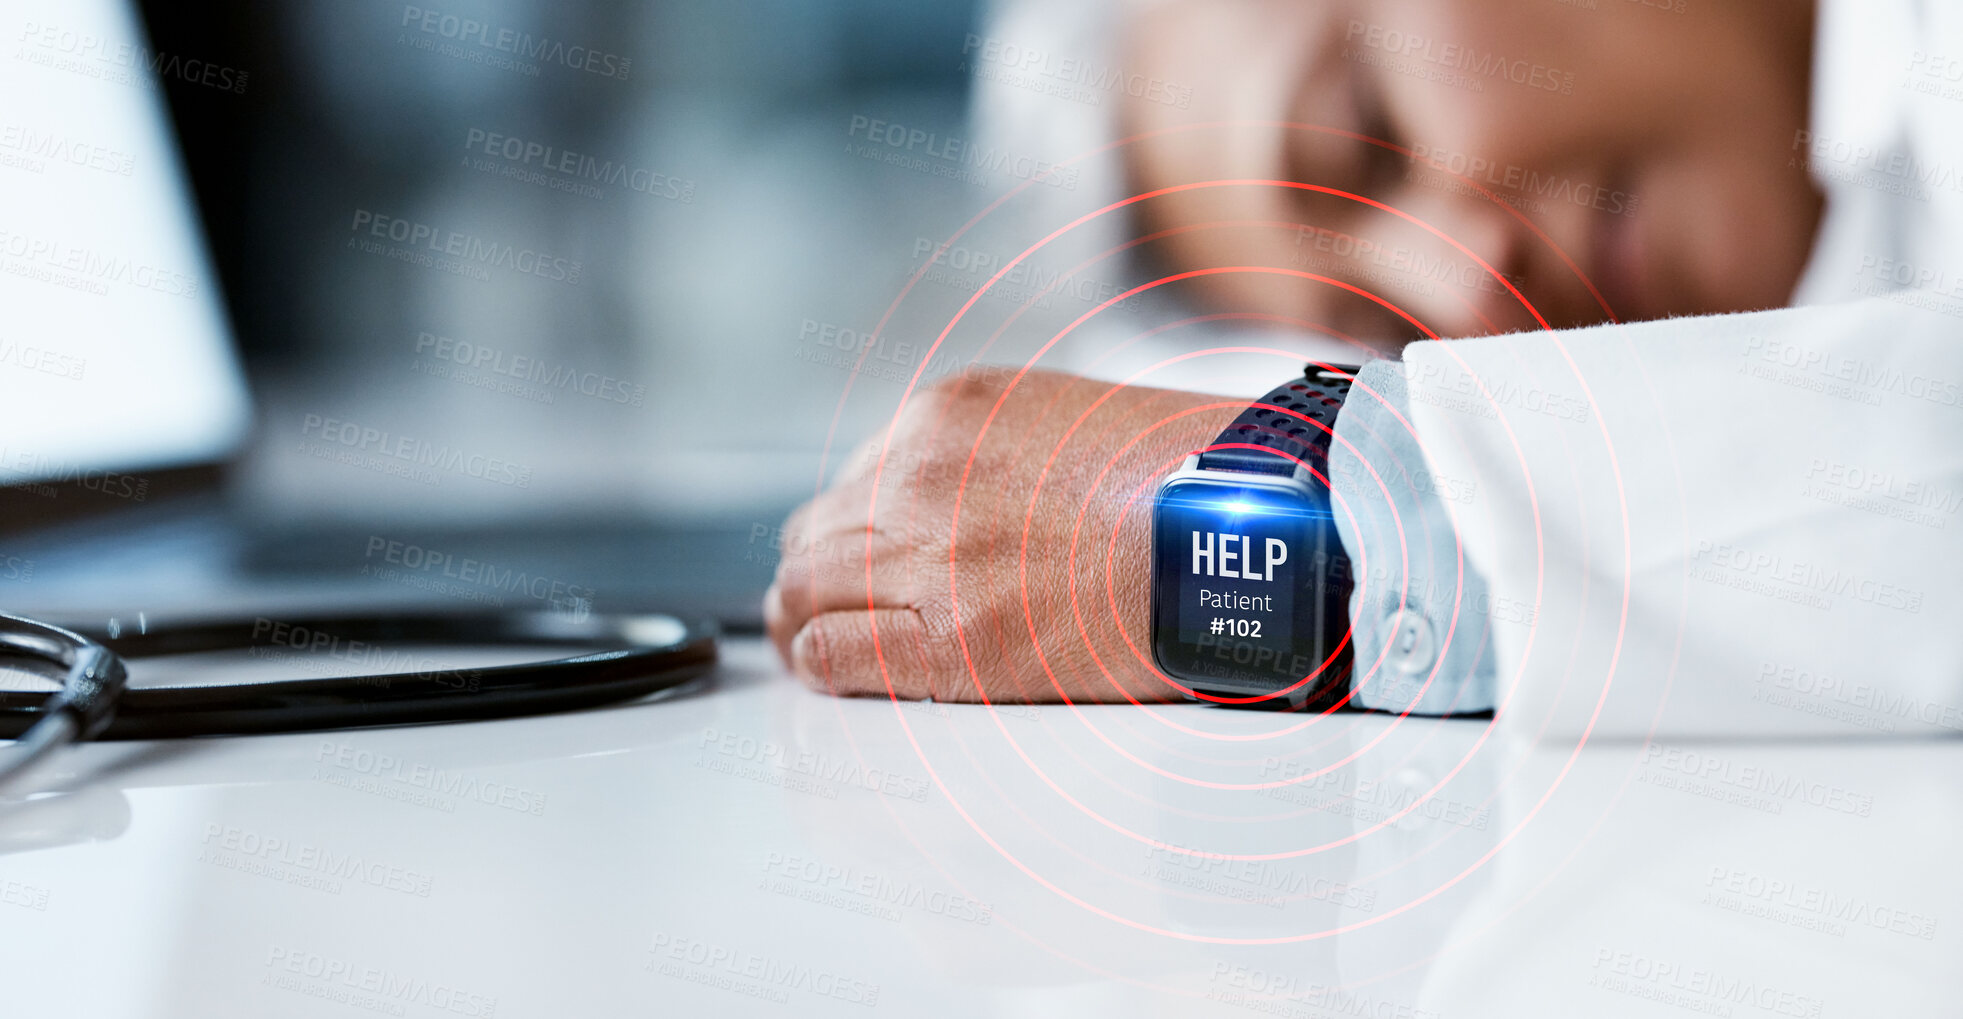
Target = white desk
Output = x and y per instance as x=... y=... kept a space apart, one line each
x=757 y=849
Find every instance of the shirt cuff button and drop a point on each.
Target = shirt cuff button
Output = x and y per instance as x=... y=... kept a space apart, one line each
x=1413 y=641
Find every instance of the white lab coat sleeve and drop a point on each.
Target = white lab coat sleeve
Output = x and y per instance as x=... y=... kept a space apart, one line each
x=1723 y=525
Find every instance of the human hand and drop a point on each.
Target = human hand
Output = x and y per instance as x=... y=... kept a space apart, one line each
x=1055 y=505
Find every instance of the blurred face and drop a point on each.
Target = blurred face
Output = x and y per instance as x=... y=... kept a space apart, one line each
x=1629 y=161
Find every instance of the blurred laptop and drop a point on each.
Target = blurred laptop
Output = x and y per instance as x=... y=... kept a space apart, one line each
x=122 y=400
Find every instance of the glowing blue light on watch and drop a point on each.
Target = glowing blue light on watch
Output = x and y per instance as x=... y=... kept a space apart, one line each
x=1238 y=506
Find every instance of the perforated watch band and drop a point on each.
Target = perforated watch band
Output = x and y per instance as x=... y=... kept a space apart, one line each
x=1317 y=395
x=1297 y=420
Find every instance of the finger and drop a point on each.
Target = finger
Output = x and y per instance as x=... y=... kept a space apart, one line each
x=860 y=653
x=825 y=564
x=777 y=625
x=861 y=463
x=842 y=576
x=811 y=548
x=851 y=506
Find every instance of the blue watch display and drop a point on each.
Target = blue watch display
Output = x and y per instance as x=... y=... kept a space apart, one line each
x=1251 y=586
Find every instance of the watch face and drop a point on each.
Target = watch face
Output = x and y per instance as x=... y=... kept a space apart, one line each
x=1250 y=588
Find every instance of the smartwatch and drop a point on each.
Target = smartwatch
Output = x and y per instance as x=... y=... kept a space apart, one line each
x=1250 y=584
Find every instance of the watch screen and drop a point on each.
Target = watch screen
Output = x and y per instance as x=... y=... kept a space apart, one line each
x=1251 y=587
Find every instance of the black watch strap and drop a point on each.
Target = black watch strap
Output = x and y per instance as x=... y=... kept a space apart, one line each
x=1276 y=424
x=1317 y=395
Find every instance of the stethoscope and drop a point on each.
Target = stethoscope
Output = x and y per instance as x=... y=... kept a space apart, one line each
x=649 y=653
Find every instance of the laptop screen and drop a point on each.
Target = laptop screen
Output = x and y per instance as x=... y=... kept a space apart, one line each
x=115 y=352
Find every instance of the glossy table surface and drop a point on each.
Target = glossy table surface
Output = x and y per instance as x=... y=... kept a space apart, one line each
x=752 y=848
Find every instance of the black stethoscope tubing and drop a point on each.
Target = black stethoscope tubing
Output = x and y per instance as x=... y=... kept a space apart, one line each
x=647 y=654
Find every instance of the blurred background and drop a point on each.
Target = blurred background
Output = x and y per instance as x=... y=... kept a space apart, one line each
x=656 y=270
x=724 y=200
x=686 y=240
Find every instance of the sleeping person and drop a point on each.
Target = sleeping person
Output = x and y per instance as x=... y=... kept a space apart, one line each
x=1692 y=436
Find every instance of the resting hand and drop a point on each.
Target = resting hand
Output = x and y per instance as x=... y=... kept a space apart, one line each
x=972 y=605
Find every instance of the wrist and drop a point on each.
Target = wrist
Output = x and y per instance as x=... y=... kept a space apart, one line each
x=1250 y=582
